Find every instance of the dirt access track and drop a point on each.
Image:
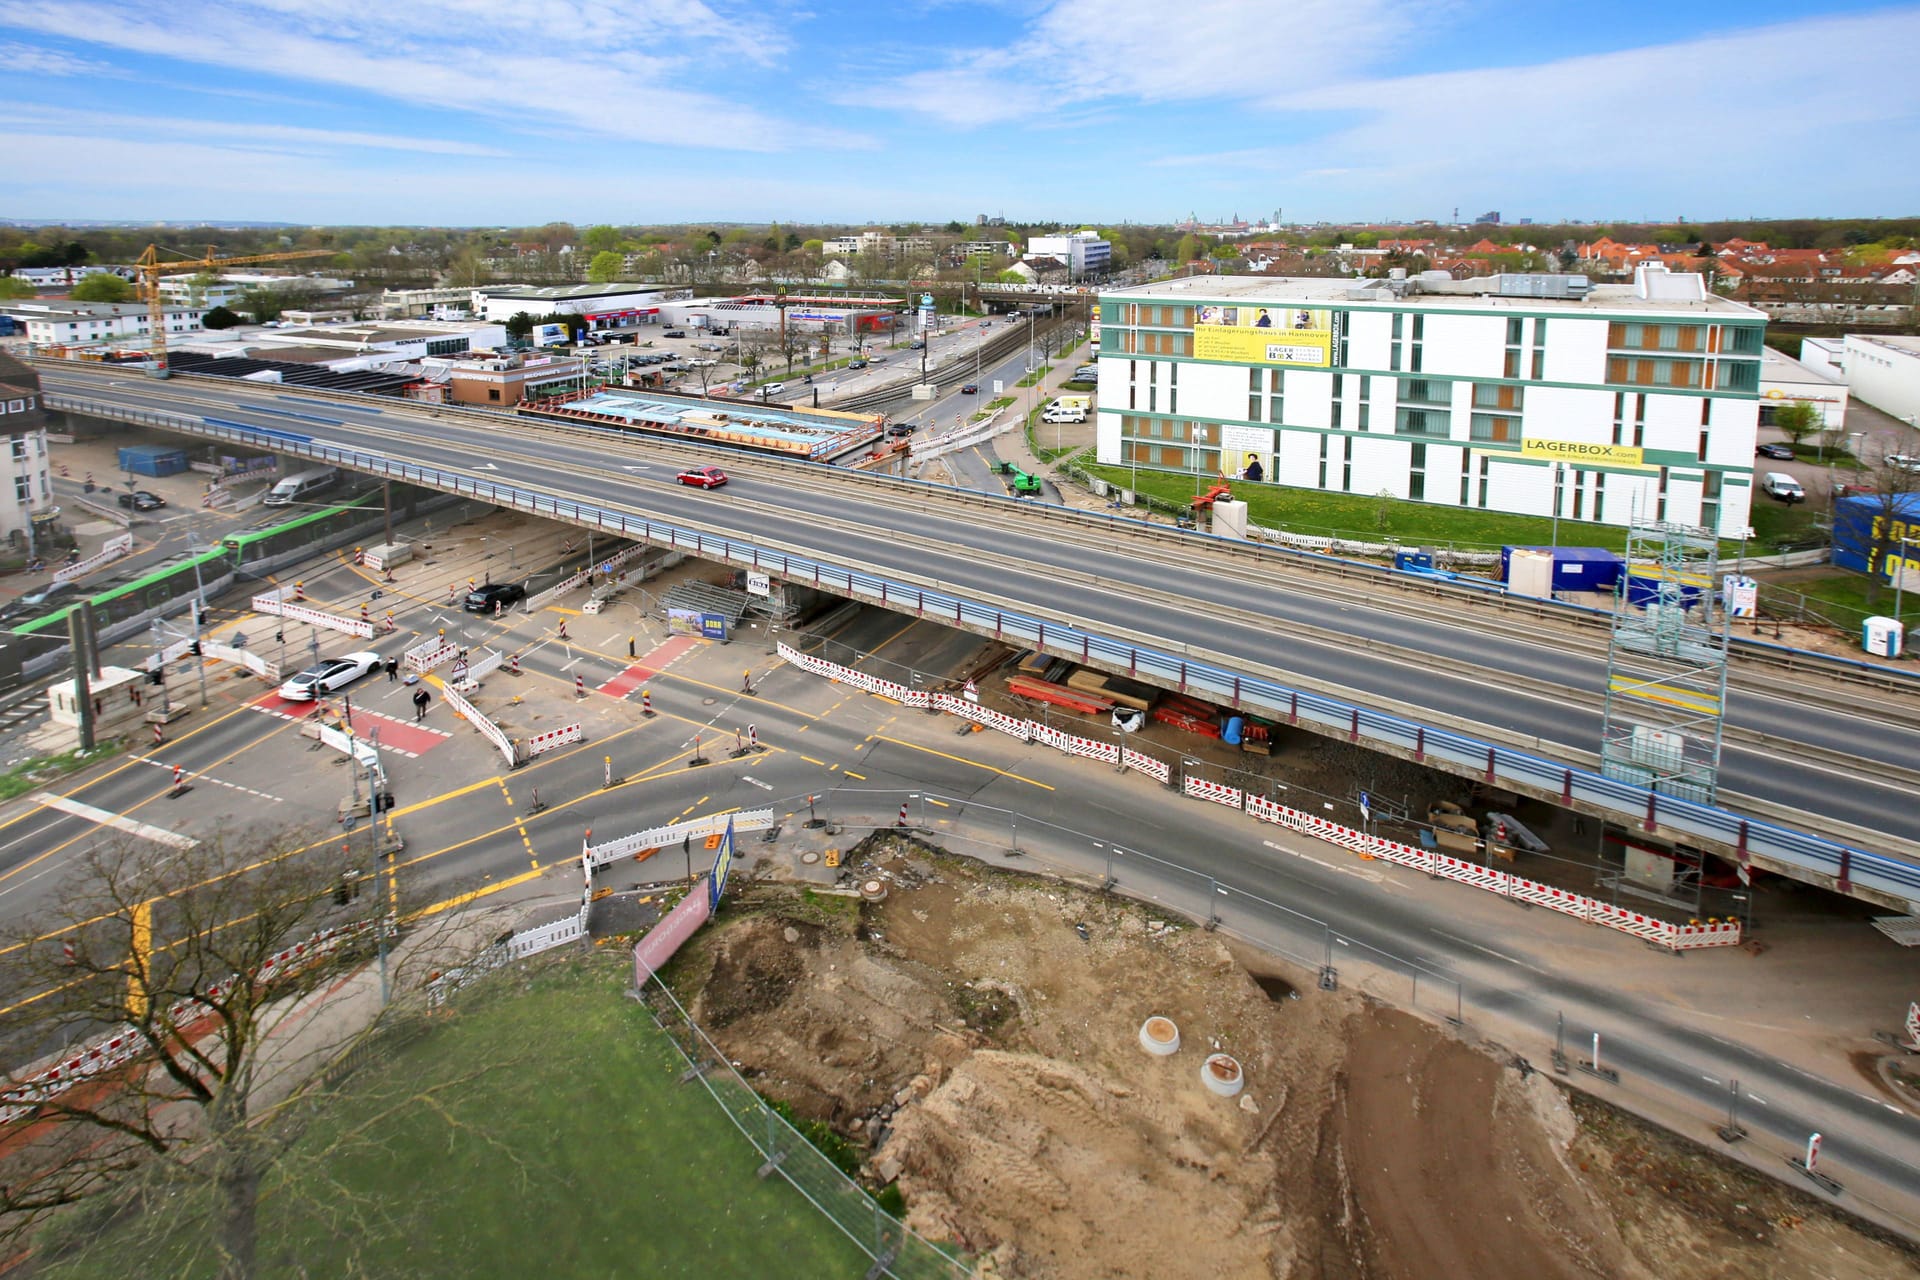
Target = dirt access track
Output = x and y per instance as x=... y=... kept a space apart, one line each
x=981 y=1053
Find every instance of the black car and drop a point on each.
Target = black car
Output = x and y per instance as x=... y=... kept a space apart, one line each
x=500 y=593
x=1781 y=451
x=674 y=333
x=141 y=500
x=970 y=389
x=902 y=428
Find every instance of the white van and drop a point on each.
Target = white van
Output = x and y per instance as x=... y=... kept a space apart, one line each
x=1778 y=484
x=300 y=485
x=1058 y=412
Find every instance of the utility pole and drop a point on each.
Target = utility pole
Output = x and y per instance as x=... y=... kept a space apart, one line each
x=78 y=638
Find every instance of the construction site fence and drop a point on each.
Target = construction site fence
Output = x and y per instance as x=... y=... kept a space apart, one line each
x=895 y=1248
x=1675 y=937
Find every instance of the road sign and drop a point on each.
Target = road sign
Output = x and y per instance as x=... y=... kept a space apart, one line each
x=1366 y=807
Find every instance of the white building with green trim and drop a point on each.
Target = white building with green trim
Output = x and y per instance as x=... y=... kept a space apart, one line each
x=1512 y=393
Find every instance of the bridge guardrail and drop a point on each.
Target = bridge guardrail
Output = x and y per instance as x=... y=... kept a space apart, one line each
x=1848 y=867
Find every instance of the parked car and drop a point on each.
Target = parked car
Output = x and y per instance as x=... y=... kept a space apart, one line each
x=501 y=593
x=142 y=500
x=1852 y=489
x=674 y=333
x=1904 y=461
x=709 y=346
x=1778 y=484
x=325 y=677
x=703 y=477
x=970 y=389
x=1781 y=451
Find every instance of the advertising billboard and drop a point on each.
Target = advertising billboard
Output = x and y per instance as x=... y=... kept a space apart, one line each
x=1580 y=452
x=1272 y=335
x=549 y=335
x=1246 y=453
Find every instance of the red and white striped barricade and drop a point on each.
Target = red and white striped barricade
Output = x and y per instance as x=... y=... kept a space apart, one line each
x=425 y=657
x=552 y=738
x=1635 y=923
x=1216 y=792
x=1718 y=933
x=1565 y=901
x=1153 y=766
x=1090 y=748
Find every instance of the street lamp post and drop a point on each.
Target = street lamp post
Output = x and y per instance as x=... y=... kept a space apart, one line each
x=1556 y=506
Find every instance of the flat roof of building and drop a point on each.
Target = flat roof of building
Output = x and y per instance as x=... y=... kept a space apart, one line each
x=1900 y=342
x=388 y=332
x=807 y=433
x=561 y=292
x=1777 y=366
x=1454 y=296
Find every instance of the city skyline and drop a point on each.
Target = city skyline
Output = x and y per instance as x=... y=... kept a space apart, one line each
x=1080 y=110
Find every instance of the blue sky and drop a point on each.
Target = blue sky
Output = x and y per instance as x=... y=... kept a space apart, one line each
x=491 y=112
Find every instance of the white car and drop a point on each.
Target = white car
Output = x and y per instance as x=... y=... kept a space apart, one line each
x=325 y=677
x=1904 y=461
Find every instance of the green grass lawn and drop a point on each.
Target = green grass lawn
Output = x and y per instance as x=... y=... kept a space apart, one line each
x=1842 y=598
x=584 y=1157
x=31 y=775
x=1371 y=519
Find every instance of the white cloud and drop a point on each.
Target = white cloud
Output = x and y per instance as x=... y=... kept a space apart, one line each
x=1720 y=120
x=36 y=60
x=94 y=124
x=582 y=66
x=1081 y=51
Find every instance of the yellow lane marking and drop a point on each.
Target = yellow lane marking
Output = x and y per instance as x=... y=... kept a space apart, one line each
x=978 y=764
x=851 y=774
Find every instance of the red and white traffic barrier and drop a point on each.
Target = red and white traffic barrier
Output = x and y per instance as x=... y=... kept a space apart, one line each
x=552 y=738
x=901 y=821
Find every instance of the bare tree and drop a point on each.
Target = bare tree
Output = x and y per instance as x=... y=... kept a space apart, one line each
x=200 y=960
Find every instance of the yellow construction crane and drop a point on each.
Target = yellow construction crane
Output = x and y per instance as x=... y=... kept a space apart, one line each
x=152 y=268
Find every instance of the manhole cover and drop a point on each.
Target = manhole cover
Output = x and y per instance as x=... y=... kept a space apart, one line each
x=809 y=858
x=707 y=702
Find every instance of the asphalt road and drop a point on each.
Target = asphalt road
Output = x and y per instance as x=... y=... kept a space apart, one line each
x=1181 y=602
x=467 y=829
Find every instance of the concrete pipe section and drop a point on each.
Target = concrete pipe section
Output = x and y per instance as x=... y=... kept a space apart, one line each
x=1222 y=1075
x=1159 y=1037
x=873 y=891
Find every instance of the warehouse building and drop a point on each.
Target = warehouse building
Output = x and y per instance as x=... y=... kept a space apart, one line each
x=1536 y=395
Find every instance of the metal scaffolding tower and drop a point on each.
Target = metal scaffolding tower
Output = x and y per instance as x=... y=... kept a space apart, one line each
x=1667 y=665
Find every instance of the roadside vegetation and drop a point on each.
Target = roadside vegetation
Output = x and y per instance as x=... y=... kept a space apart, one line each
x=31 y=775
x=467 y=1152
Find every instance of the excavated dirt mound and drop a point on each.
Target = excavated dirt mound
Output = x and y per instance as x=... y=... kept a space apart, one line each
x=985 y=1055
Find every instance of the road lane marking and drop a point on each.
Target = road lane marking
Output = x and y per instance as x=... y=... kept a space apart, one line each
x=107 y=818
x=218 y=782
x=978 y=764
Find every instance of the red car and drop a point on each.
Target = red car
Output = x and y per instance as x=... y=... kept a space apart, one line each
x=1852 y=489
x=704 y=477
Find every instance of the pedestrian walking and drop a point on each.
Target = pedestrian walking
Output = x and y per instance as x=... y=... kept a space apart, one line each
x=421 y=700
x=393 y=670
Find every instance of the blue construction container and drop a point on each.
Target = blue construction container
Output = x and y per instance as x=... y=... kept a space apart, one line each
x=1853 y=531
x=1574 y=568
x=153 y=460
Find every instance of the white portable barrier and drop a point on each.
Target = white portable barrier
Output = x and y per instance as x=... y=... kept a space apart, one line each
x=272 y=603
x=532 y=942
x=352 y=745
x=118 y=546
x=425 y=657
x=599 y=855
x=247 y=658
x=488 y=729
x=542 y=742
x=469 y=681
